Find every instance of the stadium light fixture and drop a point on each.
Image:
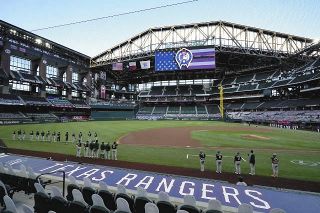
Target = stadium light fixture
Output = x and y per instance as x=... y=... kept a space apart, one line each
x=38 y=41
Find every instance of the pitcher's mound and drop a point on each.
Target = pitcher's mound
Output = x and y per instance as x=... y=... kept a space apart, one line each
x=255 y=137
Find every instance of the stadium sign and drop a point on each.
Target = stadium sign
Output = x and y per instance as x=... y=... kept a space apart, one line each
x=261 y=199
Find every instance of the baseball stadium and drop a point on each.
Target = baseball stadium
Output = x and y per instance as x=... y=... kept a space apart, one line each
x=208 y=117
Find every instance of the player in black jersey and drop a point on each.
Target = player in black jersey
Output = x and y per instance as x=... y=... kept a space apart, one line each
x=219 y=162
x=202 y=157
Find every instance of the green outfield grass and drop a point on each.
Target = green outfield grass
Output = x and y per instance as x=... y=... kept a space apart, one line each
x=288 y=144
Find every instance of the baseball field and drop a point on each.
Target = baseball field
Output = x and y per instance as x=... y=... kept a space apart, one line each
x=170 y=142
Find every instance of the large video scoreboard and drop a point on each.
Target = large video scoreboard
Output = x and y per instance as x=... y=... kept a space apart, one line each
x=185 y=59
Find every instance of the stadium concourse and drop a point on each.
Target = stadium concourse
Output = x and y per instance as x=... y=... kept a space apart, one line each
x=204 y=71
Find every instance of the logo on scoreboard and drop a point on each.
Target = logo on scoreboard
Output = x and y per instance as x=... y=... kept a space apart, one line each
x=184 y=57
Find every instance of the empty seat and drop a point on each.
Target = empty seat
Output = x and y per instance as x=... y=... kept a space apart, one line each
x=98 y=205
x=164 y=204
x=27 y=209
x=121 y=193
x=214 y=206
x=76 y=207
x=73 y=185
x=151 y=208
x=122 y=206
x=108 y=199
x=87 y=193
x=77 y=196
x=141 y=200
x=10 y=206
x=59 y=204
x=42 y=202
x=189 y=204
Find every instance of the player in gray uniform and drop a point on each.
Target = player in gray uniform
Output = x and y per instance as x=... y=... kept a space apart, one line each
x=107 y=151
x=202 y=157
x=114 y=150
x=275 y=165
x=79 y=145
x=252 y=163
x=237 y=163
x=219 y=162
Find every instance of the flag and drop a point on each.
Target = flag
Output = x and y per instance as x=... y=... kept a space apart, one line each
x=132 y=66
x=117 y=66
x=145 y=64
x=103 y=92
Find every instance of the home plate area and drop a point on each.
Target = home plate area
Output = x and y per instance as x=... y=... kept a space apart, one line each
x=230 y=196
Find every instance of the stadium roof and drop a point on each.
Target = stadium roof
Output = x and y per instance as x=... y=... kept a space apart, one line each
x=217 y=33
x=28 y=38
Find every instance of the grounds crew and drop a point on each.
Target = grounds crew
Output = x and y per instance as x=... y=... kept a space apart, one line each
x=107 y=151
x=275 y=165
x=79 y=149
x=219 y=162
x=86 y=149
x=252 y=162
x=102 y=149
x=237 y=163
x=114 y=150
x=202 y=157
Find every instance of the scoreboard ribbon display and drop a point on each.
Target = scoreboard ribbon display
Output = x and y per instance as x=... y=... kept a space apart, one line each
x=185 y=59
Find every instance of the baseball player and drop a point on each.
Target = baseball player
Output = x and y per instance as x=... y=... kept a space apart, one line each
x=23 y=135
x=80 y=136
x=19 y=134
x=96 y=149
x=91 y=146
x=67 y=137
x=73 y=137
x=31 y=135
x=219 y=162
x=95 y=136
x=275 y=165
x=114 y=150
x=79 y=149
x=37 y=135
x=89 y=135
x=202 y=157
x=237 y=163
x=102 y=148
x=107 y=151
x=14 y=135
x=86 y=149
x=252 y=162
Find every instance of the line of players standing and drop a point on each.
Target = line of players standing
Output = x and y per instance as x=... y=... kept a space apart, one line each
x=91 y=148
x=237 y=163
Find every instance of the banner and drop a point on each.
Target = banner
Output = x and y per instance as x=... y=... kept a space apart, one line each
x=145 y=64
x=132 y=66
x=103 y=92
x=117 y=66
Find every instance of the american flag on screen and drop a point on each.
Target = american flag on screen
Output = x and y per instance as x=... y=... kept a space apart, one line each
x=165 y=60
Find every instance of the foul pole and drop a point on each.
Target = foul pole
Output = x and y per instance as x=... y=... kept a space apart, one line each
x=221 y=101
